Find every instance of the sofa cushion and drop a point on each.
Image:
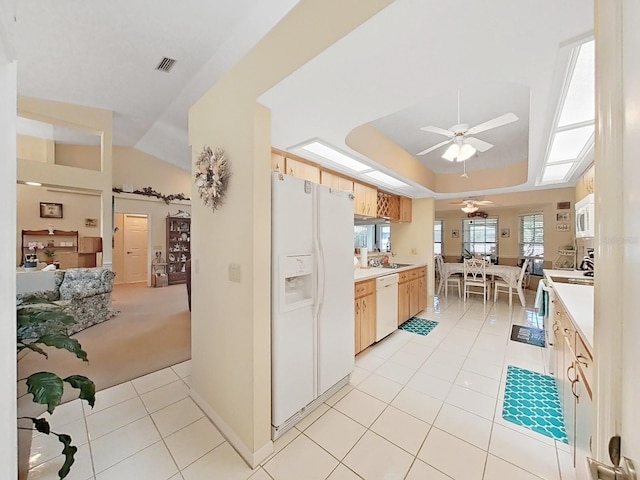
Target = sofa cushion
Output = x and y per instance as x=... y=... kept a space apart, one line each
x=80 y=282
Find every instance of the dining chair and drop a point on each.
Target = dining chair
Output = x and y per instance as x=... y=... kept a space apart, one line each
x=475 y=277
x=504 y=287
x=453 y=280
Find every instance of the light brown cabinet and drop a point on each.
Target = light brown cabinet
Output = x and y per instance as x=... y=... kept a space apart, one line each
x=405 y=209
x=365 y=314
x=278 y=162
x=302 y=170
x=412 y=293
x=388 y=206
x=585 y=184
x=336 y=181
x=366 y=201
x=404 y=290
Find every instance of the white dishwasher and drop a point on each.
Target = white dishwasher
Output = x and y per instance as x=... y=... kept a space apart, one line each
x=386 y=305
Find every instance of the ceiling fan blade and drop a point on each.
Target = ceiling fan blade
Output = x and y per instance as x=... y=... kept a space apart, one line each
x=439 y=131
x=483 y=202
x=435 y=147
x=478 y=144
x=493 y=123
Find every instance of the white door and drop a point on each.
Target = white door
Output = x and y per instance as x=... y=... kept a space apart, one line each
x=135 y=241
x=617 y=236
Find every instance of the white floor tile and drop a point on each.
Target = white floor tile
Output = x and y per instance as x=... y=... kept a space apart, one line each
x=114 y=417
x=357 y=376
x=375 y=458
x=498 y=469
x=343 y=473
x=320 y=410
x=64 y=414
x=368 y=360
x=152 y=463
x=339 y=395
x=529 y=454
x=45 y=447
x=432 y=386
x=380 y=387
x=177 y=477
x=471 y=401
x=483 y=367
x=193 y=441
x=478 y=383
x=442 y=370
x=335 y=432
x=223 y=462
x=446 y=358
x=418 y=404
x=408 y=359
x=260 y=474
x=401 y=429
x=417 y=348
x=452 y=456
x=176 y=416
x=80 y=470
x=302 y=458
x=422 y=471
x=182 y=369
x=464 y=425
x=361 y=407
x=396 y=372
x=154 y=380
x=164 y=396
x=122 y=443
x=111 y=396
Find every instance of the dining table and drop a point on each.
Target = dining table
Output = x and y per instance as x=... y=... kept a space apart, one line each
x=510 y=274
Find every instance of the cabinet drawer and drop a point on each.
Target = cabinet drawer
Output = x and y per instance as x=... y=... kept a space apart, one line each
x=422 y=272
x=413 y=274
x=403 y=276
x=365 y=288
x=585 y=361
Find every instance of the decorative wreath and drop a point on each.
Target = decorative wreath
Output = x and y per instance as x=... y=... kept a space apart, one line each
x=212 y=176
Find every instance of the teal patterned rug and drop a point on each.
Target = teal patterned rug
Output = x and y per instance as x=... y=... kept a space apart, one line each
x=531 y=401
x=418 y=325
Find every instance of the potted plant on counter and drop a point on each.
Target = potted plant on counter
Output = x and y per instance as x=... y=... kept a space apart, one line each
x=49 y=254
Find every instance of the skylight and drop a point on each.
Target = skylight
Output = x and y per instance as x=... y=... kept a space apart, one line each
x=572 y=136
x=336 y=156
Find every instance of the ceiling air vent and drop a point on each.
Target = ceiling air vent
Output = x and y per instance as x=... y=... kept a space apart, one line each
x=166 y=64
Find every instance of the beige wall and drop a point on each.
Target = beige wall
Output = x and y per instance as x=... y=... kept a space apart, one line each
x=231 y=378
x=35 y=149
x=507 y=209
x=79 y=156
x=413 y=242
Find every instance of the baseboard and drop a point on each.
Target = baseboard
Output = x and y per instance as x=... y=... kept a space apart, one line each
x=253 y=459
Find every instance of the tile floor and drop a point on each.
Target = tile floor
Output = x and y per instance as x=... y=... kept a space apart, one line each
x=417 y=407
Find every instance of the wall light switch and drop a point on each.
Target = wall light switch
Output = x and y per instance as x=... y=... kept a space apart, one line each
x=234 y=272
x=414 y=251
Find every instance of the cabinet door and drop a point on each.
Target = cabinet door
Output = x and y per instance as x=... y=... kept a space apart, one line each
x=372 y=202
x=366 y=200
x=568 y=399
x=405 y=209
x=414 y=293
x=358 y=329
x=303 y=170
x=368 y=321
x=582 y=427
x=403 y=302
x=277 y=162
x=422 y=293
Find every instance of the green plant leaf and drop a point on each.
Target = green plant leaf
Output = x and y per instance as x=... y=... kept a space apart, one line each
x=46 y=389
x=32 y=346
x=41 y=425
x=86 y=386
x=68 y=451
x=35 y=299
x=29 y=316
x=62 y=341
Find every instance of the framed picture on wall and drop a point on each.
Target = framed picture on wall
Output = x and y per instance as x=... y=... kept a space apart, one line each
x=50 y=210
x=455 y=233
x=505 y=233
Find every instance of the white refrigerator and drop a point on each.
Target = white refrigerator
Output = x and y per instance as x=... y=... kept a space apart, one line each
x=312 y=315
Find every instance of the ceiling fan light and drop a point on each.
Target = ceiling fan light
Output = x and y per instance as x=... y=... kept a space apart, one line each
x=470 y=208
x=452 y=153
x=466 y=152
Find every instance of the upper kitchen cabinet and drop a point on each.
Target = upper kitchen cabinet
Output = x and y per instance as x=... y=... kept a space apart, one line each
x=366 y=202
x=335 y=181
x=302 y=170
x=388 y=206
x=405 y=209
x=277 y=162
x=585 y=184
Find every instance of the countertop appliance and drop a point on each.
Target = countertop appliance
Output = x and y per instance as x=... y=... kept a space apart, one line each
x=386 y=305
x=585 y=217
x=312 y=314
x=587 y=264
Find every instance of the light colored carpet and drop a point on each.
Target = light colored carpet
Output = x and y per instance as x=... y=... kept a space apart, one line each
x=151 y=332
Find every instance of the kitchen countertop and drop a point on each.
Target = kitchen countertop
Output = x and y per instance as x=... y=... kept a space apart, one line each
x=361 y=274
x=577 y=300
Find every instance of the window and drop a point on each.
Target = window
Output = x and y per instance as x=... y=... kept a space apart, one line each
x=372 y=237
x=532 y=240
x=438 y=227
x=480 y=237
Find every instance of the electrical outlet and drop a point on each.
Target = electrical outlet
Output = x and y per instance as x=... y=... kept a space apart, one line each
x=234 y=272
x=414 y=251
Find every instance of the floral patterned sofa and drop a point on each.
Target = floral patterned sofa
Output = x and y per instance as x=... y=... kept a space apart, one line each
x=85 y=293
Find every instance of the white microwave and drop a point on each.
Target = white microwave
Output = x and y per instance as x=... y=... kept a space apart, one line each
x=585 y=217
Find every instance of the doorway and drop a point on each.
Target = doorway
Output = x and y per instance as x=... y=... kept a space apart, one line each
x=130 y=247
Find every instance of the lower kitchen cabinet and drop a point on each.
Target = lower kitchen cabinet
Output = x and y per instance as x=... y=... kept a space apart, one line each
x=404 y=290
x=412 y=293
x=365 y=314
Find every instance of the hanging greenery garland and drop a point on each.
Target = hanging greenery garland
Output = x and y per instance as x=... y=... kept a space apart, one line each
x=212 y=176
x=150 y=192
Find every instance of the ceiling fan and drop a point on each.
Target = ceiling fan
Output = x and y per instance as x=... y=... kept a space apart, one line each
x=471 y=205
x=464 y=146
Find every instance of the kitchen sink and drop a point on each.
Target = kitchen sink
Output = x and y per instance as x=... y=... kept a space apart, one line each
x=396 y=265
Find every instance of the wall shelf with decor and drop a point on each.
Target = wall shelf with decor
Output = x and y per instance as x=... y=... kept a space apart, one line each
x=68 y=248
x=178 y=248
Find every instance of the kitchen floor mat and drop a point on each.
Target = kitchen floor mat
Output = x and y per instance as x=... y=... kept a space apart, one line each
x=530 y=335
x=418 y=325
x=531 y=401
